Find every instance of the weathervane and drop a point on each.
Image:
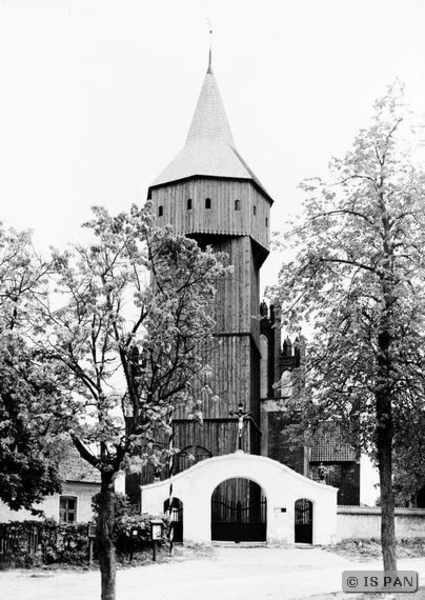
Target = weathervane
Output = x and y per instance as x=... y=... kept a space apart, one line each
x=241 y=415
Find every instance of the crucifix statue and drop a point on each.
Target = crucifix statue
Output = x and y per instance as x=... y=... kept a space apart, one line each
x=241 y=415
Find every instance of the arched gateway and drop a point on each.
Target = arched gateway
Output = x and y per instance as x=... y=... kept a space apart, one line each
x=238 y=511
x=279 y=485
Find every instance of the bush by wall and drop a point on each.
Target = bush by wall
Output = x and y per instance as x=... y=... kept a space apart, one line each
x=133 y=534
x=132 y=531
x=35 y=543
x=31 y=543
x=64 y=543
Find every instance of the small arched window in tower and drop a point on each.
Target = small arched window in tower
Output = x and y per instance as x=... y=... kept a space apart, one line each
x=189 y=203
x=237 y=204
x=160 y=211
x=207 y=202
x=254 y=210
x=267 y=222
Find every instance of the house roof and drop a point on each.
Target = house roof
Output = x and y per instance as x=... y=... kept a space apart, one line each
x=209 y=149
x=330 y=446
x=74 y=468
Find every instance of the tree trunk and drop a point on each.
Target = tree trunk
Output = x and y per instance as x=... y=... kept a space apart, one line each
x=384 y=446
x=105 y=536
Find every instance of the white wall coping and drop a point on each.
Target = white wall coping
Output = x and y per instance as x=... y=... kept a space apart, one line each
x=376 y=510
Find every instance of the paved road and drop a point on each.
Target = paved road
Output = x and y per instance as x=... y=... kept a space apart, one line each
x=232 y=573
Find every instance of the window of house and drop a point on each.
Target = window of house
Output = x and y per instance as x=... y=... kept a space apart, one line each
x=68 y=509
x=207 y=202
x=254 y=210
x=237 y=204
x=160 y=211
x=189 y=203
x=267 y=222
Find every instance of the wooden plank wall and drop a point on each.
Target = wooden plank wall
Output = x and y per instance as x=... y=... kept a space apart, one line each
x=218 y=436
x=231 y=362
x=221 y=218
x=236 y=301
x=235 y=355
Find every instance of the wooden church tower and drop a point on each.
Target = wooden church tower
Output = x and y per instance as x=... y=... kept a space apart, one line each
x=209 y=193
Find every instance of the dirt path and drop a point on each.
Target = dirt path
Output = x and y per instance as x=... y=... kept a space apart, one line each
x=225 y=573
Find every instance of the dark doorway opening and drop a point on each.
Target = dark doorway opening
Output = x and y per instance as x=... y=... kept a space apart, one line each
x=176 y=521
x=303 y=521
x=238 y=512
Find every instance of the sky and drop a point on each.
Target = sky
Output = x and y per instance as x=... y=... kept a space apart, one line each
x=97 y=95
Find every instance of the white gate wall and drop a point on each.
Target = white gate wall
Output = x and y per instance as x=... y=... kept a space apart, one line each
x=281 y=485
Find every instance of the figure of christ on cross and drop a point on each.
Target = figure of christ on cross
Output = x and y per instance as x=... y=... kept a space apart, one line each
x=241 y=415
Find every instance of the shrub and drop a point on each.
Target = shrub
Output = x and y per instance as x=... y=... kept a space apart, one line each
x=65 y=543
x=132 y=531
x=33 y=543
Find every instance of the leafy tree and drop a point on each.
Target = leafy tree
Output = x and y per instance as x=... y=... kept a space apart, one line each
x=27 y=457
x=132 y=314
x=409 y=458
x=358 y=280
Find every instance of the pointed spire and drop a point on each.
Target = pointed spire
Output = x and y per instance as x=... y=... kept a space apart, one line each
x=209 y=70
x=209 y=149
x=209 y=121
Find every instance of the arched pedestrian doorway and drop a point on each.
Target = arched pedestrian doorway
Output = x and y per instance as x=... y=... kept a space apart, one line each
x=176 y=521
x=238 y=512
x=303 y=521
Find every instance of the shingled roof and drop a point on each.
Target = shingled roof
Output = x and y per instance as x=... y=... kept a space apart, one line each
x=209 y=149
x=73 y=468
x=330 y=446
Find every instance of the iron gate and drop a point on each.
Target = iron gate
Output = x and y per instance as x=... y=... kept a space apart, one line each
x=176 y=520
x=237 y=521
x=303 y=521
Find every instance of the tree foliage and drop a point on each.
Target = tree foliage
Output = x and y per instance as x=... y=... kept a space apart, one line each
x=358 y=281
x=129 y=318
x=126 y=329
x=27 y=393
x=409 y=458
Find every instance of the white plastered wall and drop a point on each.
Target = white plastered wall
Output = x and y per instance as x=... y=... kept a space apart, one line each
x=281 y=486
